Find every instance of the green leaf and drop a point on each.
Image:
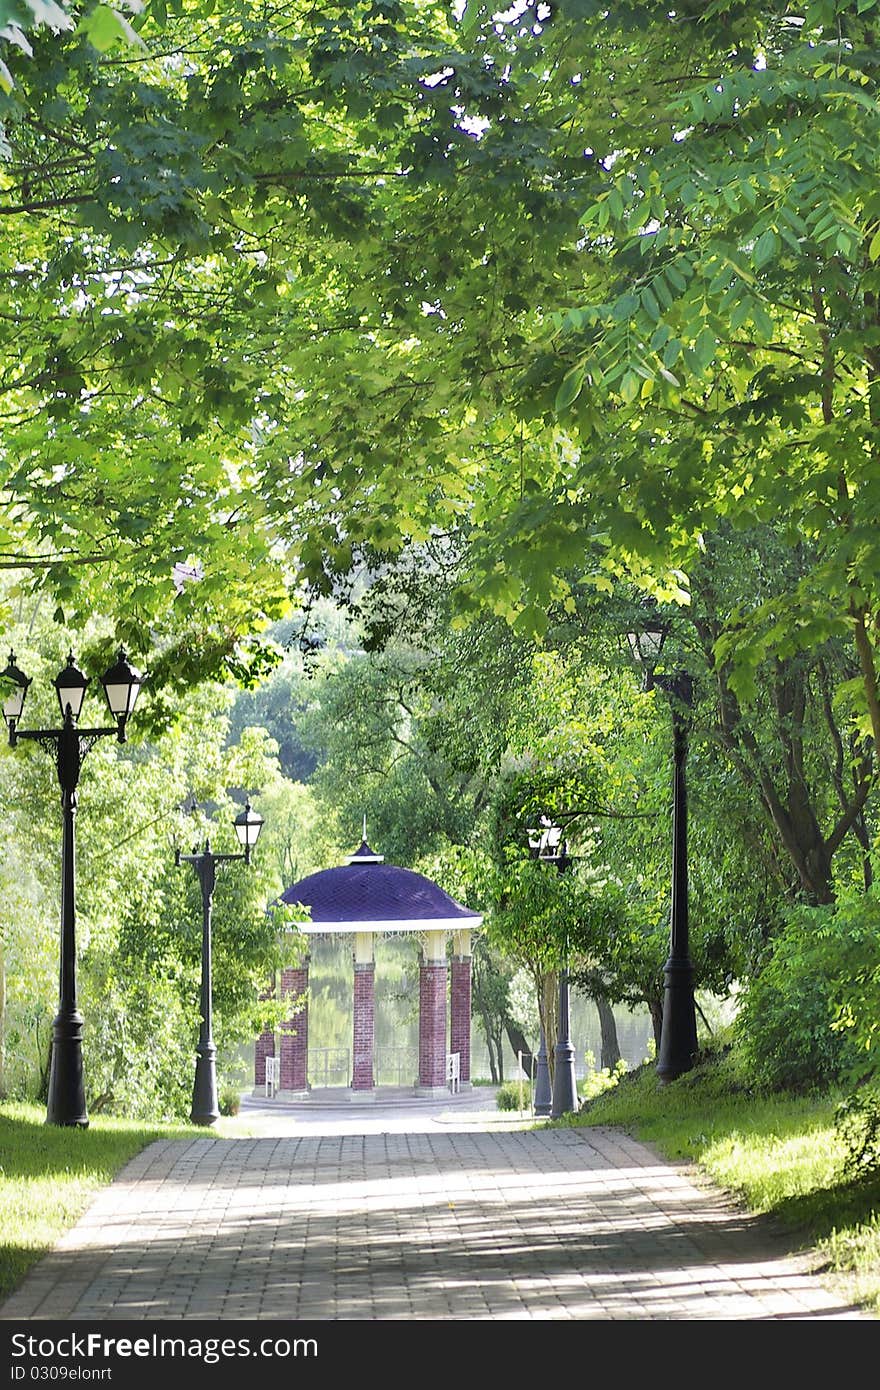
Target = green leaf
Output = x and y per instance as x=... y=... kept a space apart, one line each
x=630 y=387
x=766 y=247
x=672 y=351
x=472 y=14
x=32 y=13
x=624 y=307
x=649 y=304
x=740 y=313
x=660 y=337
x=531 y=620
x=762 y=320
x=704 y=348
x=675 y=276
x=570 y=388
x=104 y=27
x=747 y=190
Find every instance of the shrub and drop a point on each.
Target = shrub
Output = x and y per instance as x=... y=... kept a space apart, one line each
x=595 y=1082
x=857 y=1120
x=798 y=1026
x=514 y=1095
x=229 y=1100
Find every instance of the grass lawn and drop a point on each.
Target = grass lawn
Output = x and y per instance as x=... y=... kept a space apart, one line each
x=778 y=1153
x=48 y=1176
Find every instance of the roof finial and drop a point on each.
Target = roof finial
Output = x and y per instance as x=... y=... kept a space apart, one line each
x=365 y=855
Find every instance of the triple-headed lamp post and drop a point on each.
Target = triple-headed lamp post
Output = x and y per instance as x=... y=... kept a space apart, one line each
x=248 y=824
x=547 y=845
x=678 y=1034
x=70 y=744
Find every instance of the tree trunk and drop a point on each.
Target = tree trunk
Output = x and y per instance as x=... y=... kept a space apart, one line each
x=779 y=774
x=610 y=1045
x=548 y=1008
x=656 y=1009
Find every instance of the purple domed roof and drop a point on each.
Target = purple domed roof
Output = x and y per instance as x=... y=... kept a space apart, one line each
x=367 y=894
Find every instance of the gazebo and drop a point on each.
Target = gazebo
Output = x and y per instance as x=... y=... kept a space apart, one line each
x=366 y=898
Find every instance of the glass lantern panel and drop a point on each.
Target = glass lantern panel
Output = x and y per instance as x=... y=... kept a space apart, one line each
x=72 y=695
x=121 y=697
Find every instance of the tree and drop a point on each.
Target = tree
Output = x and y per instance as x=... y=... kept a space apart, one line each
x=719 y=362
x=596 y=759
x=178 y=272
x=800 y=753
x=491 y=1002
x=600 y=394
x=640 y=334
x=103 y=25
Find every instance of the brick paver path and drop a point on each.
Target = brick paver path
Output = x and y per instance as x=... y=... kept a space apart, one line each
x=452 y=1219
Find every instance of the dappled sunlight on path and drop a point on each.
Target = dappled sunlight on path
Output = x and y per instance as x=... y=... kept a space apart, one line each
x=429 y=1213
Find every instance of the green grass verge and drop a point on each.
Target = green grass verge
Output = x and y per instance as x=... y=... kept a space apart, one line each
x=48 y=1176
x=778 y=1153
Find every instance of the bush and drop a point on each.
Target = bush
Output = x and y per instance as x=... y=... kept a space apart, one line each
x=514 y=1095
x=798 y=1026
x=857 y=1120
x=229 y=1100
x=595 y=1082
x=138 y=1046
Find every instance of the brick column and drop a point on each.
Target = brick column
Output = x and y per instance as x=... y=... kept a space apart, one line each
x=460 y=1015
x=295 y=1044
x=432 y=1017
x=264 y=1046
x=364 y=1025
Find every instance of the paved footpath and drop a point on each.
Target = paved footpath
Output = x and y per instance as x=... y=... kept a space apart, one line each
x=415 y=1210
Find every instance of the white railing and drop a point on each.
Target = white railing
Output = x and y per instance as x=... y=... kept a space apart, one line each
x=273 y=1075
x=327 y=1062
x=453 y=1070
x=396 y=1066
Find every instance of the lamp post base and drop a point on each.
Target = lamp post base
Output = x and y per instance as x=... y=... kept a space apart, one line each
x=565 y=1097
x=543 y=1089
x=205 y=1107
x=67 y=1101
x=678 y=1033
x=565 y=1100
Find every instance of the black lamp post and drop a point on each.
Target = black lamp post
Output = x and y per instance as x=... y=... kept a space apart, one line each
x=678 y=1033
x=543 y=1088
x=248 y=824
x=70 y=744
x=545 y=844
